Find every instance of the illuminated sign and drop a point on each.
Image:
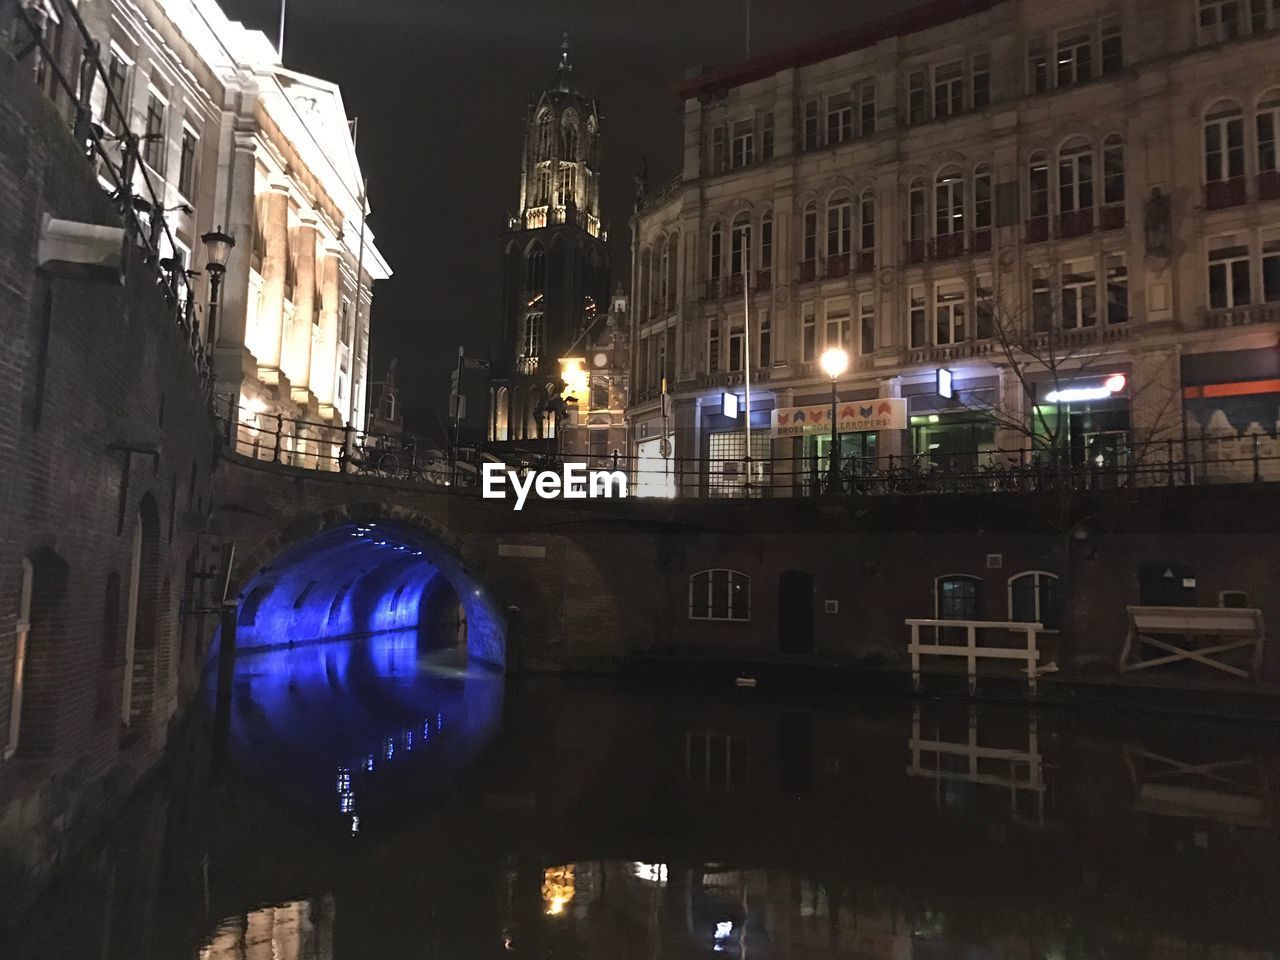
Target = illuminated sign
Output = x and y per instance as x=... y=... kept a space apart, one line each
x=884 y=413
x=945 y=380
x=1109 y=387
x=729 y=405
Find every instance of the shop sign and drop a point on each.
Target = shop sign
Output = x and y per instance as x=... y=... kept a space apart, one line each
x=885 y=413
x=946 y=383
x=729 y=405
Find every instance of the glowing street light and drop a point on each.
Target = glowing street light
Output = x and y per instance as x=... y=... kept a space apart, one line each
x=834 y=362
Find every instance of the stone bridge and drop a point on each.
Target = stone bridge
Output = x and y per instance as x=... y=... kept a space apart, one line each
x=580 y=585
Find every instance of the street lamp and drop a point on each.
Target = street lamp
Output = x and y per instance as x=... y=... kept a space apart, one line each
x=217 y=248
x=834 y=362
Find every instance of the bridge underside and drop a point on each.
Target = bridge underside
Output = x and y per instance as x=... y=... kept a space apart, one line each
x=366 y=579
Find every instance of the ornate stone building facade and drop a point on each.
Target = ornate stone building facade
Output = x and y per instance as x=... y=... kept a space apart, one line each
x=555 y=265
x=1094 y=187
x=233 y=140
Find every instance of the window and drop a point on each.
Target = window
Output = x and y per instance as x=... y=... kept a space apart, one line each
x=1233 y=598
x=948 y=89
x=980 y=82
x=809 y=249
x=1075 y=56
x=533 y=329
x=568 y=139
x=838 y=325
x=867 y=108
x=919 y=318
x=743 y=147
x=717 y=150
x=766 y=137
x=811 y=132
x=1228 y=274
x=1113 y=170
x=1117 y=288
x=735 y=349
x=719 y=595
x=949 y=202
x=1262 y=15
x=673 y=269
x=1079 y=294
x=714 y=265
x=765 y=339
x=1223 y=142
x=22 y=634
x=740 y=245
x=839 y=225
x=917 y=105
x=1033 y=598
x=664 y=272
x=1037 y=66
x=948 y=313
x=867 y=323
x=1112 y=46
x=713 y=346
x=1219 y=20
x=867 y=220
x=1038 y=186
x=984 y=308
x=1271 y=266
x=766 y=242
x=1041 y=301
x=982 y=217
x=958 y=597
x=544 y=136
x=153 y=148
x=1075 y=177
x=839 y=118
x=1267 y=122
x=568 y=184
x=344 y=322
x=117 y=84
x=916 y=212
x=535 y=273
x=187 y=163
x=809 y=331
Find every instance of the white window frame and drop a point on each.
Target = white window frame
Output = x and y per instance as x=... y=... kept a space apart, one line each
x=1230 y=241
x=953 y=307
x=742 y=141
x=1039 y=575
x=1223 y=120
x=1073 y=268
x=704 y=609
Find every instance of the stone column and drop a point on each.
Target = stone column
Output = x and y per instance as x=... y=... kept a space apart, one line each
x=1012 y=403
x=324 y=354
x=267 y=339
x=297 y=358
x=233 y=311
x=1156 y=415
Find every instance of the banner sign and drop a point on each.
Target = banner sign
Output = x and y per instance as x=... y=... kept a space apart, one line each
x=885 y=413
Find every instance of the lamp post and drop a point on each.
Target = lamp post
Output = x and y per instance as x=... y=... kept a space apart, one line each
x=217 y=247
x=834 y=362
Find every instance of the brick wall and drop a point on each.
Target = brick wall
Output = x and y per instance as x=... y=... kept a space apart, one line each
x=84 y=366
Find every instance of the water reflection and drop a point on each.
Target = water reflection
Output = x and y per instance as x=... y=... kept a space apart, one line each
x=585 y=822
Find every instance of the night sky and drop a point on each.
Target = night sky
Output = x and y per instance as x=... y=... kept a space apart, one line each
x=441 y=89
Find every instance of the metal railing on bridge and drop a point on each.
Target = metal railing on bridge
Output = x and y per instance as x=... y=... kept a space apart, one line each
x=255 y=432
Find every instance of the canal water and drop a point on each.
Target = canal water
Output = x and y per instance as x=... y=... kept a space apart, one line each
x=368 y=800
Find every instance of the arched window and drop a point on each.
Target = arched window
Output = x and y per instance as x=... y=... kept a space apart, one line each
x=568 y=138
x=542 y=189
x=1267 y=123
x=501 y=414
x=1075 y=176
x=982 y=211
x=715 y=253
x=673 y=270
x=1223 y=142
x=839 y=226
x=809 y=233
x=867 y=220
x=1033 y=598
x=958 y=597
x=535 y=273
x=544 y=136
x=719 y=595
x=948 y=204
x=740 y=245
x=533 y=339
x=1038 y=186
x=22 y=633
x=1113 y=173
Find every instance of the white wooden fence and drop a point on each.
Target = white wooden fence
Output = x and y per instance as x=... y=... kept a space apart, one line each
x=972 y=651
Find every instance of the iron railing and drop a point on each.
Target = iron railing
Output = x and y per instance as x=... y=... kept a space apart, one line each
x=123 y=172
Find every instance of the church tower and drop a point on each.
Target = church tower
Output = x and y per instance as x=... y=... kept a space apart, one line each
x=555 y=263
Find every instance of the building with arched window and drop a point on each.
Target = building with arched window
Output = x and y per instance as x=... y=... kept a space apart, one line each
x=927 y=190
x=556 y=294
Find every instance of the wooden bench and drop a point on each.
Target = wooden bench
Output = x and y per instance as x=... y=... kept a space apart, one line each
x=1176 y=632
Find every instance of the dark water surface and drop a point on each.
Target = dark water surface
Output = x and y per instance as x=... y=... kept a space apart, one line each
x=372 y=802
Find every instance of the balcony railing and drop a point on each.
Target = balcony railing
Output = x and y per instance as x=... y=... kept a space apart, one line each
x=1113 y=216
x=1219 y=194
x=1036 y=230
x=837 y=265
x=1269 y=185
x=1242 y=316
x=948 y=246
x=1075 y=223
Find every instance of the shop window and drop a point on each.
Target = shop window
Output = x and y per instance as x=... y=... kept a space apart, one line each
x=1228 y=274
x=720 y=595
x=1079 y=294
x=958 y=597
x=1033 y=598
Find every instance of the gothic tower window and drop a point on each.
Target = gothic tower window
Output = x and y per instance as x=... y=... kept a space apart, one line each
x=544 y=136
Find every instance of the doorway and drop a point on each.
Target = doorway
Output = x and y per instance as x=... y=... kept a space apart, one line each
x=795 y=612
